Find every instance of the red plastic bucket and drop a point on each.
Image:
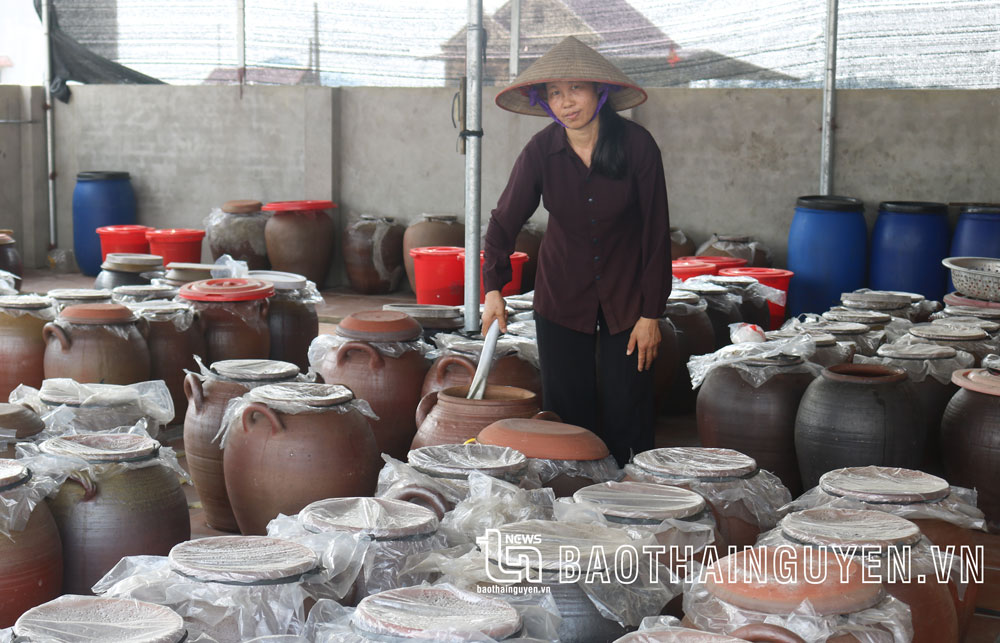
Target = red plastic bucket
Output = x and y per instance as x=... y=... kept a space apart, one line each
x=684 y=270
x=178 y=245
x=773 y=277
x=130 y=239
x=717 y=261
x=512 y=287
x=438 y=274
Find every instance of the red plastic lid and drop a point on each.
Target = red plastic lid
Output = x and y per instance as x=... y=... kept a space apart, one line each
x=436 y=251
x=123 y=229
x=298 y=206
x=175 y=234
x=721 y=262
x=228 y=289
x=751 y=271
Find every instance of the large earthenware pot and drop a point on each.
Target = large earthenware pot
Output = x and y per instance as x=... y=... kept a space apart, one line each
x=433 y=230
x=457 y=366
x=722 y=308
x=175 y=336
x=234 y=315
x=695 y=336
x=299 y=237
x=22 y=318
x=97 y=343
x=754 y=307
x=447 y=417
x=237 y=230
x=373 y=254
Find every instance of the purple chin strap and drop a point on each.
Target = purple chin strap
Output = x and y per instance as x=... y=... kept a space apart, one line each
x=603 y=89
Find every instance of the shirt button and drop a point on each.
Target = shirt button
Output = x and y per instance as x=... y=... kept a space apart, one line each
x=594 y=239
x=597 y=278
x=593 y=221
x=590 y=200
x=597 y=258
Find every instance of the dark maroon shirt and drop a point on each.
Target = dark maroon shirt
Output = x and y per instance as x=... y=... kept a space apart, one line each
x=608 y=241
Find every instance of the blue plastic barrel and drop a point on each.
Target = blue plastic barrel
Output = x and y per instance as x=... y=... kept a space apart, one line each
x=827 y=251
x=977 y=233
x=909 y=240
x=99 y=199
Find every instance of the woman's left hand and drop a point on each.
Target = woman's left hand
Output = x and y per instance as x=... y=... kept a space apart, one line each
x=645 y=337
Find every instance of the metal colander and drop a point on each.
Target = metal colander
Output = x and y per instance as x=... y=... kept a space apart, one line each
x=977 y=277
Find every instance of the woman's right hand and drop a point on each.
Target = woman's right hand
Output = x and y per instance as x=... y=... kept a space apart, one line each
x=494 y=308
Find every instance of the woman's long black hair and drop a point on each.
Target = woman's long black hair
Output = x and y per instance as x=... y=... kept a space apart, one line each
x=609 y=153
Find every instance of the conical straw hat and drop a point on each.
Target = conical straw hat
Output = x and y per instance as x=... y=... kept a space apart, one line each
x=569 y=60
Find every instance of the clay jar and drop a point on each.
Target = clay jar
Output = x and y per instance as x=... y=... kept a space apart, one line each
x=237 y=230
x=728 y=403
x=78 y=619
x=279 y=461
x=22 y=421
x=858 y=414
x=753 y=308
x=415 y=613
x=736 y=245
x=207 y=399
x=175 y=336
x=456 y=368
x=568 y=450
x=292 y=320
x=695 y=336
x=447 y=417
x=299 y=238
x=22 y=318
x=373 y=254
x=10 y=259
x=388 y=378
x=96 y=343
x=31 y=562
x=970 y=440
x=433 y=318
x=529 y=241
x=127 y=269
x=134 y=511
x=721 y=311
x=433 y=230
x=234 y=315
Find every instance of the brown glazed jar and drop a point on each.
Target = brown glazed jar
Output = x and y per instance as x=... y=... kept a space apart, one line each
x=10 y=259
x=134 y=511
x=754 y=308
x=22 y=318
x=529 y=241
x=31 y=565
x=695 y=336
x=299 y=238
x=447 y=417
x=207 y=399
x=457 y=368
x=373 y=254
x=237 y=230
x=292 y=320
x=99 y=343
x=23 y=421
x=175 y=336
x=376 y=356
x=721 y=310
x=234 y=315
x=728 y=403
x=280 y=460
x=433 y=230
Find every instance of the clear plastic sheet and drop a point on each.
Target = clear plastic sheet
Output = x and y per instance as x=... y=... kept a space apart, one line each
x=322 y=345
x=979 y=348
x=743 y=332
x=398 y=480
x=472 y=347
x=249 y=312
x=7 y=281
x=522 y=328
x=250 y=372
x=89 y=619
x=63 y=297
x=137 y=294
x=866 y=340
x=758 y=362
x=14 y=305
x=492 y=503
x=740 y=249
x=309 y=296
x=682 y=309
x=722 y=300
x=604 y=470
x=293 y=398
x=920 y=361
x=910 y=309
x=181 y=314
x=757 y=292
x=989 y=325
x=233 y=230
x=42 y=477
x=119 y=330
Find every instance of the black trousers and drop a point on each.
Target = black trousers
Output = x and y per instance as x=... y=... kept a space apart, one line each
x=589 y=381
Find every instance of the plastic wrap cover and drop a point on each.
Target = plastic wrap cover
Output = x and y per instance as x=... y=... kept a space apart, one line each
x=913 y=311
x=180 y=313
x=292 y=398
x=641 y=501
x=85 y=619
x=897 y=328
x=250 y=372
x=715 y=297
x=67 y=406
x=743 y=332
x=921 y=360
x=27 y=482
x=249 y=312
x=740 y=249
x=14 y=305
x=492 y=503
x=748 y=287
x=397 y=478
x=758 y=491
x=863 y=337
x=141 y=293
x=888 y=621
x=237 y=229
x=989 y=325
x=471 y=347
x=522 y=328
x=226 y=267
x=961 y=336
x=120 y=329
x=523 y=301
x=459 y=460
x=668 y=629
x=604 y=470
x=758 y=362
x=323 y=344
x=7 y=281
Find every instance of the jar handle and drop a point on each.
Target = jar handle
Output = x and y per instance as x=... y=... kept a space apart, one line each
x=375 y=361
x=85 y=481
x=193 y=391
x=256 y=407
x=767 y=633
x=448 y=361
x=50 y=330
x=427 y=403
x=421 y=496
x=550 y=416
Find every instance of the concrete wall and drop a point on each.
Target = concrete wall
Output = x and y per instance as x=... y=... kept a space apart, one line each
x=735 y=159
x=23 y=188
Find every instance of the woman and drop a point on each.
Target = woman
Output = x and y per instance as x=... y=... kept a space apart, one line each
x=604 y=265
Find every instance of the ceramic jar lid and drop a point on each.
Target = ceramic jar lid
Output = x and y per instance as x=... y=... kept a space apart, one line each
x=95 y=619
x=281 y=280
x=242 y=206
x=25 y=302
x=642 y=500
x=431 y=315
x=443 y=218
x=6 y=239
x=79 y=294
x=379 y=326
x=144 y=291
x=696 y=462
x=828 y=527
x=158 y=310
x=131 y=262
x=380 y=518
x=884 y=485
x=459 y=460
x=298 y=206
x=736 y=281
x=980 y=380
x=11 y=474
x=97 y=314
x=774 y=361
x=103 y=447
x=309 y=394
x=988 y=325
x=23 y=420
x=916 y=351
x=819 y=337
x=702 y=288
x=254 y=370
x=875 y=300
x=186 y=272
x=678 y=296
x=545 y=440
x=836 y=328
x=937 y=332
x=842 y=586
x=676 y=635
x=226 y=290
x=435 y=613
x=243 y=560
x=972 y=311
x=867 y=317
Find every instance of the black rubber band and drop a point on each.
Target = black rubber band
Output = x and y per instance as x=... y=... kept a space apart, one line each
x=466 y=133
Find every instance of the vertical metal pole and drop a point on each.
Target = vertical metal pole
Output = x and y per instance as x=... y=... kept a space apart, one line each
x=515 y=38
x=241 y=43
x=50 y=144
x=829 y=102
x=473 y=160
